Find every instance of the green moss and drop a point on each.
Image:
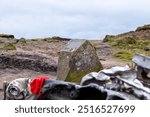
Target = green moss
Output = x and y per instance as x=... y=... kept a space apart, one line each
x=37 y=39
x=78 y=75
x=9 y=47
x=1 y=46
x=22 y=40
x=1 y=38
x=125 y=41
x=124 y=55
x=125 y=47
x=47 y=39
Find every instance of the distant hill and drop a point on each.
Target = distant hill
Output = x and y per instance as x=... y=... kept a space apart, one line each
x=142 y=33
x=126 y=45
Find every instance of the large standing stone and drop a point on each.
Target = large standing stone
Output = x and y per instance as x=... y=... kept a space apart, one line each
x=76 y=60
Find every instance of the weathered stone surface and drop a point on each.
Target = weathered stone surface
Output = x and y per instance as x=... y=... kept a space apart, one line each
x=7 y=61
x=76 y=60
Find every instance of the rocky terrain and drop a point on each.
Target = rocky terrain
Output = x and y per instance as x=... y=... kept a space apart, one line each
x=37 y=57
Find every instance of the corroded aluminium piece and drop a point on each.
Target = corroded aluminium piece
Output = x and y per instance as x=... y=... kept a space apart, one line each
x=17 y=89
x=58 y=90
x=143 y=67
x=142 y=61
x=121 y=79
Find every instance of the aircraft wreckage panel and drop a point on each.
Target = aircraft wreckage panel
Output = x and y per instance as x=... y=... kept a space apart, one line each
x=142 y=61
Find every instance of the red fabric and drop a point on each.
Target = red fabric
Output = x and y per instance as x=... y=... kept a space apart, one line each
x=36 y=84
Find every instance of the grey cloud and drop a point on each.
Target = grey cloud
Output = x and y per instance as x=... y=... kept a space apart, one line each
x=72 y=18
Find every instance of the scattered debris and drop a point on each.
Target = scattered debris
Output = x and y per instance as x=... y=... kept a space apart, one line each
x=116 y=83
x=142 y=61
x=143 y=69
x=17 y=89
x=120 y=79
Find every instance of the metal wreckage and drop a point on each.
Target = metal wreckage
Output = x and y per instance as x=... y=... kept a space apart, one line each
x=117 y=83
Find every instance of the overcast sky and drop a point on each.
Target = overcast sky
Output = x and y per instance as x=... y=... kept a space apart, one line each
x=90 y=19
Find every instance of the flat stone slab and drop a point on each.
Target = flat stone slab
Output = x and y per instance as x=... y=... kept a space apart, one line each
x=73 y=45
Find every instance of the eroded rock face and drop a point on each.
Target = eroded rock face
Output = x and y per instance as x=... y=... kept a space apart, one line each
x=76 y=60
x=142 y=28
x=39 y=64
